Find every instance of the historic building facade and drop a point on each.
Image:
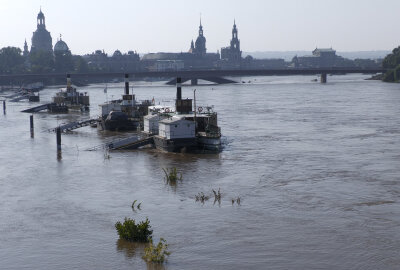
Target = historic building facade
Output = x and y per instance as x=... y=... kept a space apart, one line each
x=101 y=61
x=196 y=58
x=321 y=58
x=42 y=41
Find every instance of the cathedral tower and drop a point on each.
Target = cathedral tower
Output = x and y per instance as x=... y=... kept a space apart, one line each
x=233 y=52
x=235 y=43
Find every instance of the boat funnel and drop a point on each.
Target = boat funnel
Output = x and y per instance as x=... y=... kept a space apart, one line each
x=183 y=106
x=126 y=84
x=68 y=81
x=178 y=88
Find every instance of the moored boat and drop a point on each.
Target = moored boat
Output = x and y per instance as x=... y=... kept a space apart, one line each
x=69 y=99
x=123 y=114
x=185 y=129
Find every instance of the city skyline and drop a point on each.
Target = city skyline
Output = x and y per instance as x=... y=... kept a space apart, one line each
x=158 y=26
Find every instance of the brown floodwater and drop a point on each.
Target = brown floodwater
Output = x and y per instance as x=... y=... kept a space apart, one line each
x=317 y=169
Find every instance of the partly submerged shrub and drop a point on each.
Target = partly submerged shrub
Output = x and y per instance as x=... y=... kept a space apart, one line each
x=131 y=231
x=217 y=196
x=201 y=197
x=156 y=254
x=171 y=175
x=137 y=207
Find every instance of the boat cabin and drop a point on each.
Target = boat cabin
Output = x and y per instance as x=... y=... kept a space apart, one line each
x=175 y=128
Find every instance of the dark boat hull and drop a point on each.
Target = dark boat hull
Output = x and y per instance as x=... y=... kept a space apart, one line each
x=118 y=125
x=175 y=145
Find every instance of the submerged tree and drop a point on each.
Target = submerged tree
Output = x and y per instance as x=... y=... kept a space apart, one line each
x=63 y=61
x=80 y=64
x=392 y=64
x=41 y=61
x=11 y=60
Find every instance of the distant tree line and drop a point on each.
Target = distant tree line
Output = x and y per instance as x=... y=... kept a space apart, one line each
x=392 y=64
x=12 y=61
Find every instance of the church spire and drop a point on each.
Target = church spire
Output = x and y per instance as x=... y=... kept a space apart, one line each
x=41 y=21
x=200 y=44
x=26 y=51
x=234 y=30
x=200 y=28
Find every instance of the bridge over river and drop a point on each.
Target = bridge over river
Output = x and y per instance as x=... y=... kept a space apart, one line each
x=216 y=76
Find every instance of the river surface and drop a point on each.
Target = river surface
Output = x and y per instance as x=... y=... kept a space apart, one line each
x=317 y=168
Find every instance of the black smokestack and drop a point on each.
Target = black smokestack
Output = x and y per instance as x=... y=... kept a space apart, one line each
x=126 y=84
x=68 y=81
x=178 y=88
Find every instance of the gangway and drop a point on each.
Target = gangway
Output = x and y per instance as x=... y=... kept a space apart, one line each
x=19 y=98
x=74 y=125
x=38 y=108
x=130 y=143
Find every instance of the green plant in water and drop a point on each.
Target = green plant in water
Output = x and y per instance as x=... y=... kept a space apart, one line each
x=171 y=175
x=131 y=231
x=137 y=207
x=237 y=200
x=156 y=254
x=217 y=196
x=201 y=197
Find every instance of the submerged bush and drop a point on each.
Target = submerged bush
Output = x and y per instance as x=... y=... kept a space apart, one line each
x=217 y=196
x=171 y=175
x=201 y=197
x=156 y=254
x=131 y=231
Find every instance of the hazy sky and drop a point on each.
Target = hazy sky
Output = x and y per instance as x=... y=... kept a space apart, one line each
x=170 y=25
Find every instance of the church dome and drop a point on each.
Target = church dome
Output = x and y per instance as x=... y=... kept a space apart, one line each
x=61 y=46
x=200 y=45
x=201 y=40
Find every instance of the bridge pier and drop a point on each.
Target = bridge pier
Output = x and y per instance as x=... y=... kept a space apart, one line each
x=194 y=81
x=324 y=78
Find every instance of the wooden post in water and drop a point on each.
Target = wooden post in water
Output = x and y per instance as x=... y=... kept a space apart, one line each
x=58 y=131
x=32 y=129
x=195 y=109
x=324 y=78
x=4 y=106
